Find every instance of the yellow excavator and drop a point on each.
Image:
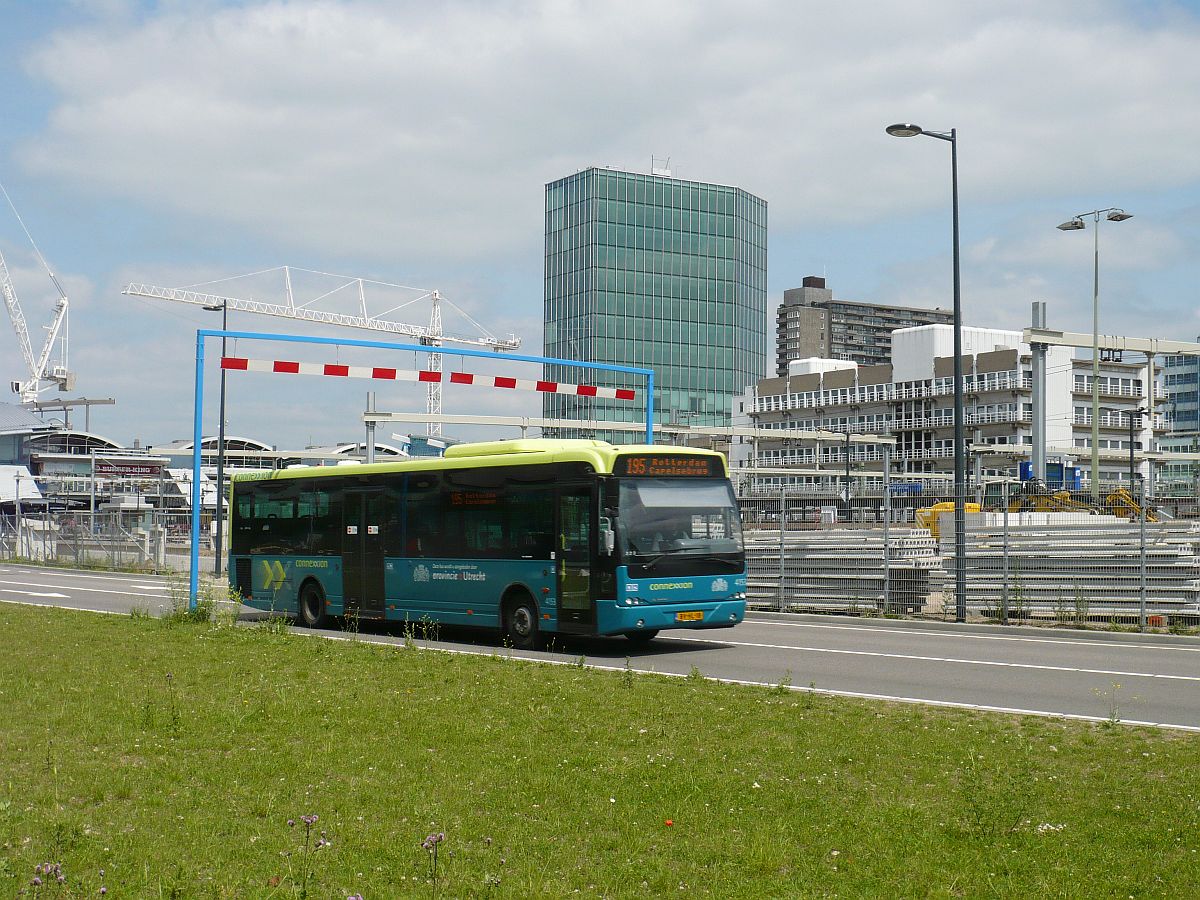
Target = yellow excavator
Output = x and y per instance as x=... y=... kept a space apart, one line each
x=927 y=516
x=1122 y=503
x=1036 y=496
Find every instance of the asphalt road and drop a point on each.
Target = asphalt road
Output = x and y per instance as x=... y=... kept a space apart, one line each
x=1145 y=679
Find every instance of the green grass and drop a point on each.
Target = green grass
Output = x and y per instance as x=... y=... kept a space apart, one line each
x=171 y=754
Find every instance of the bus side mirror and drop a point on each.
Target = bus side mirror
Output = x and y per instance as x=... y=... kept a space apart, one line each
x=608 y=537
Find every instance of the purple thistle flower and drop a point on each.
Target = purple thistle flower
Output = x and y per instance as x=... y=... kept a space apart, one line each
x=103 y=890
x=37 y=882
x=291 y=823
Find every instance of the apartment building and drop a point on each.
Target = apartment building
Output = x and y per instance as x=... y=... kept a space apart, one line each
x=811 y=324
x=912 y=400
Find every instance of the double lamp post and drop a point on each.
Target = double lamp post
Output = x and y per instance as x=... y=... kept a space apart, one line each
x=1112 y=214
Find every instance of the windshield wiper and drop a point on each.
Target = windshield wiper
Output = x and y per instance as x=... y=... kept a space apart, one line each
x=659 y=557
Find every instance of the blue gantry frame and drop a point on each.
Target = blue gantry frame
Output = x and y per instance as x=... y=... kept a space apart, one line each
x=197 y=435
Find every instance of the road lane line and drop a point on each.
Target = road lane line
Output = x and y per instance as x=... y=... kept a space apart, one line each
x=948 y=659
x=866 y=629
x=84 y=589
x=35 y=594
x=69 y=573
x=859 y=695
x=492 y=651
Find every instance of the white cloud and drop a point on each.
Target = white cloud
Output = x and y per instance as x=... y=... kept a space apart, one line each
x=415 y=138
x=418 y=131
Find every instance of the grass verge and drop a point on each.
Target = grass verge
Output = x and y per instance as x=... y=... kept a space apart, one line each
x=171 y=754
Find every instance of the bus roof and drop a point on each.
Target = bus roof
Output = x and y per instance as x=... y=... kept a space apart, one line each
x=600 y=455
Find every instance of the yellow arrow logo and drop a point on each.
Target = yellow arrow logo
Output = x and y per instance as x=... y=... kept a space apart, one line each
x=273 y=575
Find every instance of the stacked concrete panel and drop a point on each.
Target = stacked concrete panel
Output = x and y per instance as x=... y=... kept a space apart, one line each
x=1077 y=567
x=843 y=569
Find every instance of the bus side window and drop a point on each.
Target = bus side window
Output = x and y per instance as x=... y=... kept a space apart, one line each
x=528 y=521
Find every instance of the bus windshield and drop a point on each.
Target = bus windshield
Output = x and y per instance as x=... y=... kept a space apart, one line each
x=674 y=516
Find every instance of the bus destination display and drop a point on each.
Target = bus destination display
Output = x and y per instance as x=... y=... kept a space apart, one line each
x=667 y=466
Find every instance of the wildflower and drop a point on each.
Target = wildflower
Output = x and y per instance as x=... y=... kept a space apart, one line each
x=433 y=840
x=670 y=822
x=103 y=890
x=37 y=882
x=291 y=823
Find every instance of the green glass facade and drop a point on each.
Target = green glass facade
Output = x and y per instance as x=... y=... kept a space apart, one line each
x=659 y=273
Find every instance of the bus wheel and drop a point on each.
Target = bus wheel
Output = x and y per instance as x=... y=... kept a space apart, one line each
x=521 y=623
x=642 y=637
x=312 y=606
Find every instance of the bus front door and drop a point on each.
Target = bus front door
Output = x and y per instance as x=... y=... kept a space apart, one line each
x=362 y=553
x=576 y=612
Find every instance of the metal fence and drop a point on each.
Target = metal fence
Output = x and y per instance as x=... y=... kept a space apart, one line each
x=1032 y=554
x=156 y=541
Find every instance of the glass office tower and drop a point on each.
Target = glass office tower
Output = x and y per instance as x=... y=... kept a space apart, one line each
x=659 y=273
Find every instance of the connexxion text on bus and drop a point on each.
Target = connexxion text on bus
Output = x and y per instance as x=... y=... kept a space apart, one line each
x=533 y=537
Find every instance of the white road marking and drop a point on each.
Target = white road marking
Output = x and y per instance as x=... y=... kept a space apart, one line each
x=891 y=698
x=34 y=594
x=954 y=704
x=66 y=573
x=948 y=659
x=977 y=637
x=920 y=701
x=89 y=590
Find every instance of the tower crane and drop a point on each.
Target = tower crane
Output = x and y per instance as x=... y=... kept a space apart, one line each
x=40 y=374
x=432 y=335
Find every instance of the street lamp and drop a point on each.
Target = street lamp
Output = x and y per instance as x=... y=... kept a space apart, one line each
x=852 y=413
x=906 y=130
x=224 y=308
x=1113 y=214
x=1139 y=412
x=1134 y=416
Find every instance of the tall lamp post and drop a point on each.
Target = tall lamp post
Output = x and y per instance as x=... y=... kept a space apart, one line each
x=224 y=308
x=1113 y=214
x=906 y=130
x=1135 y=421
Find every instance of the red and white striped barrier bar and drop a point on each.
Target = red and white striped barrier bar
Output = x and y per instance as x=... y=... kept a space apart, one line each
x=242 y=364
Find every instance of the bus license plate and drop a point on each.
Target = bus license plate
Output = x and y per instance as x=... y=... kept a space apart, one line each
x=694 y=615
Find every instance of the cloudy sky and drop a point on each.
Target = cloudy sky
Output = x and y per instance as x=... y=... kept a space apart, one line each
x=178 y=143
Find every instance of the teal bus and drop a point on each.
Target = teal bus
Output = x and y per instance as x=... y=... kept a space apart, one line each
x=532 y=537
